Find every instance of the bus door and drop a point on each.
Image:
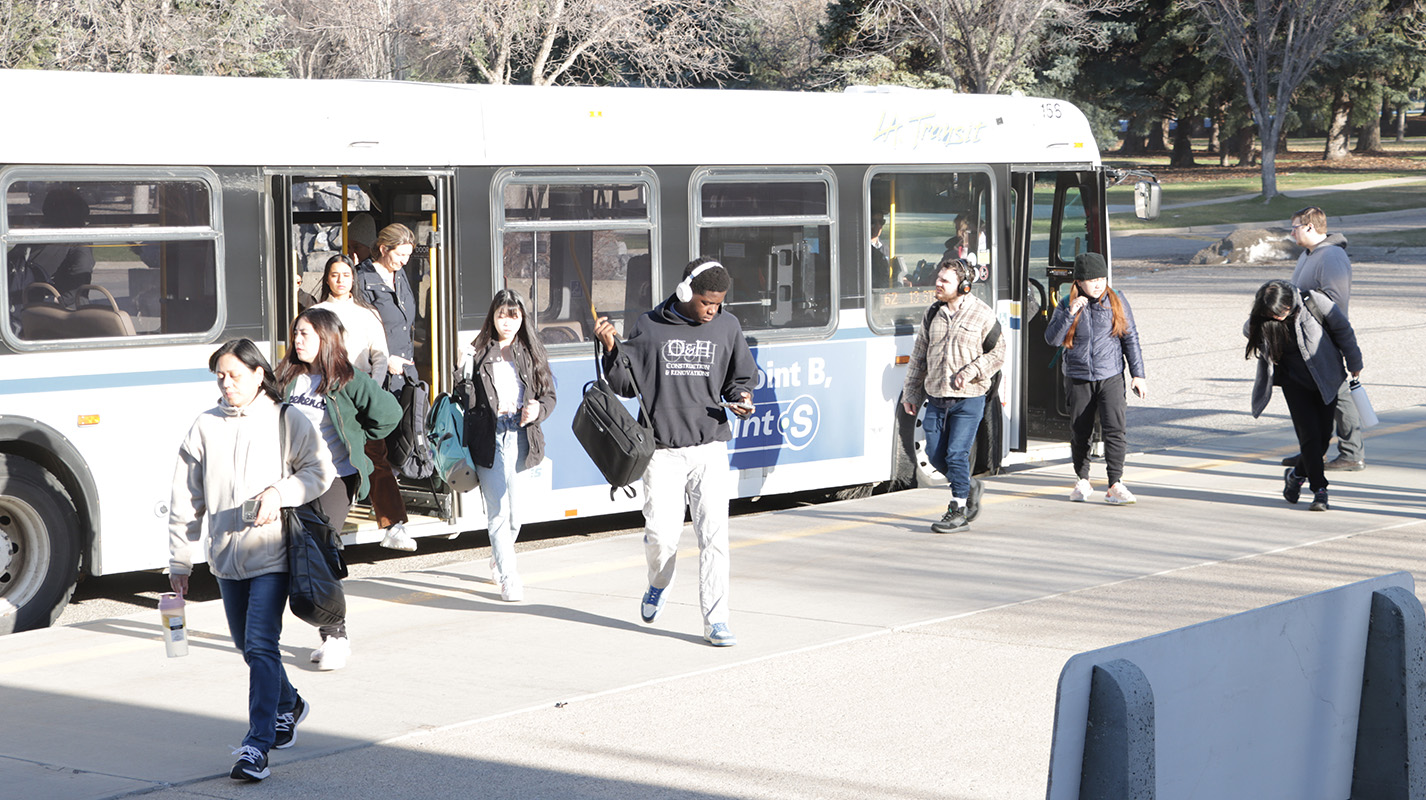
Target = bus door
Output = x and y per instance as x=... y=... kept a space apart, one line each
x=1057 y=215
x=318 y=215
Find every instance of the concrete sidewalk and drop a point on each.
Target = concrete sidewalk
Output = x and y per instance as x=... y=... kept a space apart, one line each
x=875 y=658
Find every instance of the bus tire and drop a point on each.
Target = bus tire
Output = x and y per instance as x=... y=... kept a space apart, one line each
x=39 y=550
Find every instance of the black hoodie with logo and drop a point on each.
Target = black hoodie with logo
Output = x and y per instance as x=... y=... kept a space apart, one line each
x=684 y=368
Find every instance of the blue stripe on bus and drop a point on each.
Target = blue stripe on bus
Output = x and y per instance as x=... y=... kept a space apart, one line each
x=122 y=380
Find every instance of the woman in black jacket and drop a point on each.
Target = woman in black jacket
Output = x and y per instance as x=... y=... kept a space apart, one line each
x=513 y=393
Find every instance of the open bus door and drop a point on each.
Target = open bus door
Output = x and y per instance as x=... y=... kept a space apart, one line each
x=312 y=214
x=1057 y=215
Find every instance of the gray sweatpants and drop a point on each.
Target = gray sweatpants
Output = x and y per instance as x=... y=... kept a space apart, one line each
x=1349 y=425
x=701 y=475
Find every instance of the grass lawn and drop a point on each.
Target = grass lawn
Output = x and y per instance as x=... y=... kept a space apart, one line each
x=1280 y=209
x=1416 y=238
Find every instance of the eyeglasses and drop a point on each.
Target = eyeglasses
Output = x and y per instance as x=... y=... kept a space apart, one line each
x=1302 y=225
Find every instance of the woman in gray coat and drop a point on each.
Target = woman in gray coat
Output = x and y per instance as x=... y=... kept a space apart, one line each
x=1300 y=341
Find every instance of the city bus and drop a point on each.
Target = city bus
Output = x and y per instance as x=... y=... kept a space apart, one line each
x=186 y=211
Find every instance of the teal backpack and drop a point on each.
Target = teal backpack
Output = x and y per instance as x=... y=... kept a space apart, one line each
x=445 y=430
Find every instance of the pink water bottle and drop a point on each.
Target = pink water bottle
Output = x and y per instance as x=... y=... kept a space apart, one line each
x=175 y=636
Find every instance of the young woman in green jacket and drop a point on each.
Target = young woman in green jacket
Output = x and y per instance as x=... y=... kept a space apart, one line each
x=349 y=409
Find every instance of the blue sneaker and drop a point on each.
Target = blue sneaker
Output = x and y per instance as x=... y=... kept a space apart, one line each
x=653 y=604
x=720 y=636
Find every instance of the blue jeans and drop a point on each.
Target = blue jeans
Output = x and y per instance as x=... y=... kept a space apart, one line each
x=254 y=607
x=950 y=432
x=500 y=488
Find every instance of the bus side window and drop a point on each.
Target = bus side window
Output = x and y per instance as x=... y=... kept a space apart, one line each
x=577 y=247
x=773 y=233
x=83 y=266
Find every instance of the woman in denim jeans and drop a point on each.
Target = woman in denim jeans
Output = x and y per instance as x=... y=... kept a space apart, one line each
x=513 y=392
x=233 y=469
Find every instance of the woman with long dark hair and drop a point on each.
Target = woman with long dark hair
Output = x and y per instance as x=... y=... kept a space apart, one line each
x=349 y=409
x=513 y=393
x=1095 y=326
x=364 y=337
x=233 y=471
x=1300 y=341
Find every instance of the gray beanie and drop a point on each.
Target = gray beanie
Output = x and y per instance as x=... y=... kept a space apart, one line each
x=1088 y=266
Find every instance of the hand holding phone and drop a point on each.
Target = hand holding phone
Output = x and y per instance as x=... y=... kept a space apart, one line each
x=250 y=510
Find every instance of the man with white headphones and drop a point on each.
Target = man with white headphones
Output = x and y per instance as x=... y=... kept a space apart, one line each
x=958 y=350
x=691 y=361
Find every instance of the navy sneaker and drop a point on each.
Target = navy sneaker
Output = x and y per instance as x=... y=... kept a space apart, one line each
x=1292 y=485
x=251 y=766
x=652 y=604
x=287 y=725
x=1319 y=501
x=718 y=635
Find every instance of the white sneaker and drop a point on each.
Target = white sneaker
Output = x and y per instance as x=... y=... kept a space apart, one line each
x=1082 y=491
x=316 y=657
x=397 y=539
x=1119 y=495
x=335 y=652
x=512 y=590
x=494 y=573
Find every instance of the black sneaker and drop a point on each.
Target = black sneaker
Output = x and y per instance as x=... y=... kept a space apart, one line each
x=953 y=522
x=1319 y=501
x=977 y=488
x=287 y=725
x=251 y=766
x=1292 y=485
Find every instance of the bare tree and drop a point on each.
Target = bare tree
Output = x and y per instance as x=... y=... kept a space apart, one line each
x=780 y=41
x=214 y=37
x=986 y=44
x=543 y=42
x=377 y=39
x=1274 y=44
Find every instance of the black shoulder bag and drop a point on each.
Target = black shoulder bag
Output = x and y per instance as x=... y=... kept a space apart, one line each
x=619 y=445
x=314 y=562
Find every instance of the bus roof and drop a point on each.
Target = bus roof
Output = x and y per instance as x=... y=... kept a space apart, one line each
x=122 y=119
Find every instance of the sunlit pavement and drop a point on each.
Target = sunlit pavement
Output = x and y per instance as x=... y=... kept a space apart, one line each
x=875 y=659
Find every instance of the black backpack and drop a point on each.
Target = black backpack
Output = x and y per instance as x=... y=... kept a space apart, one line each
x=619 y=445
x=407 y=446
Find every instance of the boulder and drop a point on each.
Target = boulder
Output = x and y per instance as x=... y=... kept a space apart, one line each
x=1249 y=246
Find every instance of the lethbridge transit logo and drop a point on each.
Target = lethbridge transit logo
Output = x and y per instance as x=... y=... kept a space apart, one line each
x=801 y=400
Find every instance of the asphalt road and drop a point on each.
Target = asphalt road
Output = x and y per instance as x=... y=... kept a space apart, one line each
x=1190 y=321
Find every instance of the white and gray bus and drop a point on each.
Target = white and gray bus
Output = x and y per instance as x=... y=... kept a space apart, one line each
x=196 y=210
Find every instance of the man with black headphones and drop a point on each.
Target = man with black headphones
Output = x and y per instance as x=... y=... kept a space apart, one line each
x=958 y=351
x=692 y=362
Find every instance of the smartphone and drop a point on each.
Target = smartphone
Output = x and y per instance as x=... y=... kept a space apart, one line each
x=250 y=510
x=737 y=406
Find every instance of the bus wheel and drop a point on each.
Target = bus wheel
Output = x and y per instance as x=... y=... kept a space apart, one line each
x=39 y=555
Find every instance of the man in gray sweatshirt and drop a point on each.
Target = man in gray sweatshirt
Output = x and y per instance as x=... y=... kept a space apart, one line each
x=1324 y=267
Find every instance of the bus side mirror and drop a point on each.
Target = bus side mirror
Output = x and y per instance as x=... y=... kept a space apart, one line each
x=1146 y=200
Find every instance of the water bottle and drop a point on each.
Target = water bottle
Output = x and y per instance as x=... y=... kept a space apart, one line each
x=1363 y=404
x=175 y=637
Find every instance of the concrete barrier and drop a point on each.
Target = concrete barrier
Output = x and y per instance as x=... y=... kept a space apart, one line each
x=1318 y=698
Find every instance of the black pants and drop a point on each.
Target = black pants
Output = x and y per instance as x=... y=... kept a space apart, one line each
x=1106 y=399
x=1313 y=421
x=336 y=502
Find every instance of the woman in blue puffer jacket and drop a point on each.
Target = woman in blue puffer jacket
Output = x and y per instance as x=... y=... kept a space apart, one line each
x=1096 y=328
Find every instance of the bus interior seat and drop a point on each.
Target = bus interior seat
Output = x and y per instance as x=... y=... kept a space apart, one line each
x=564 y=332
x=52 y=321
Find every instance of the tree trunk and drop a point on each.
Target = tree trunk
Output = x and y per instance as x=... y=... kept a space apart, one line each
x=1215 y=139
x=1336 y=148
x=1269 y=168
x=1159 y=137
x=1182 y=147
x=1369 y=140
x=1401 y=124
x=1133 y=143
